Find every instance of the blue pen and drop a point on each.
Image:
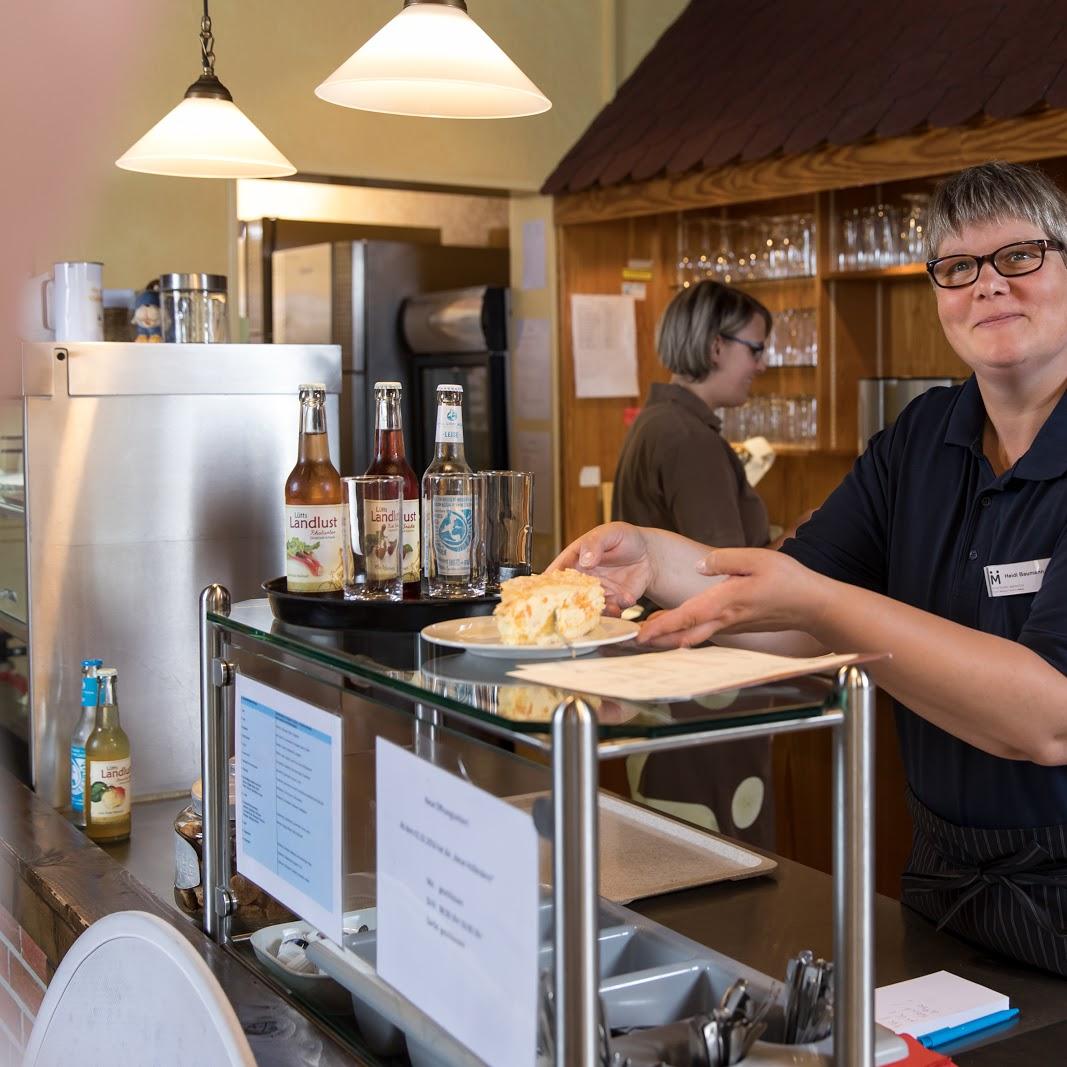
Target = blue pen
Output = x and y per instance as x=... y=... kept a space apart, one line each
x=954 y=1033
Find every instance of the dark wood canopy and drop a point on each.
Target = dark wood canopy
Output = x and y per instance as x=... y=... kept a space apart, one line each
x=732 y=82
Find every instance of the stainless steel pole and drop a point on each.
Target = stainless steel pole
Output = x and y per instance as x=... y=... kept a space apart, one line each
x=853 y=828
x=215 y=673
x=575 y=882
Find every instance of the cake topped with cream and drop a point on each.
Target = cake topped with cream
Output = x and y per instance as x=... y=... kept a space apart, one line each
x=549 y=609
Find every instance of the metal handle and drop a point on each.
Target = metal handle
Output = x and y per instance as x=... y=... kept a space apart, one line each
x=853 y=825
x=214 y=765
x=575 y=882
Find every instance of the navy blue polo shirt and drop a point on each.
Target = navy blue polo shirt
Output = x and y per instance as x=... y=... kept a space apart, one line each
x=918 y=518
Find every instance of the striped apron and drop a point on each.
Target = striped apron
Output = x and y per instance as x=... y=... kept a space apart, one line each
x=1004 y=889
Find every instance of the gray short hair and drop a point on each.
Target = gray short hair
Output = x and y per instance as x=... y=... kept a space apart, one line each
x=694 y=318
x=993 y=192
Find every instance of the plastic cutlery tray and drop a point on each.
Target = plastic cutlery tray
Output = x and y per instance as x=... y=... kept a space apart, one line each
x=649 y=976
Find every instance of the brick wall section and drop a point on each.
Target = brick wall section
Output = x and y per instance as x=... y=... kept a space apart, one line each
x=24 y=974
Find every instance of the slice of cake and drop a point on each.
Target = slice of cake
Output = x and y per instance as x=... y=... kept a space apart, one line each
x=548 y=609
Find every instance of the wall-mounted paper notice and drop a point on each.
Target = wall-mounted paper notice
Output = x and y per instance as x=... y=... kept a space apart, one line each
x=457 y=906
x=604 y=340
x=533 y=254
x=533 y=453
x=531 y=370
x=288 y=777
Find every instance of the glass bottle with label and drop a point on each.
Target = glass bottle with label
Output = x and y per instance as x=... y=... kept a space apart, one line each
x=313 y=536
x=86 y=723
x=107 y=767
x=390 y=458
x=448 y=458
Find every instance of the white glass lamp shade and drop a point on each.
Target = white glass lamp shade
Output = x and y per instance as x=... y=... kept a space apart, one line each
x=435 y=61
x=206 y=137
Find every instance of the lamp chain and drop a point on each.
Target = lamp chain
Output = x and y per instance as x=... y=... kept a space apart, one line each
x=207 y=43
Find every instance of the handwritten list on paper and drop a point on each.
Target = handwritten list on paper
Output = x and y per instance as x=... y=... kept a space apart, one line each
x=604 y=342
x=457 y=906
x=680 y=674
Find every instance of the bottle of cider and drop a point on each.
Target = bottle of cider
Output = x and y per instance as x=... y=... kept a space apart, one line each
x=107 y=767
x=448 y=458
x=390 y=458
x=86 y=724
x=313 y=538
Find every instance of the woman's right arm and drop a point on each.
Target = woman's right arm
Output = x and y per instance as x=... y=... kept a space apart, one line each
x=634 y=561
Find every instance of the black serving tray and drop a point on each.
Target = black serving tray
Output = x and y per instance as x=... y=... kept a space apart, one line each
x=330 y=611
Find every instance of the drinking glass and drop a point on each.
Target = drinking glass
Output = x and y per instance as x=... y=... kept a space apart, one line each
x=456 y=522
x=373 y=549
x=508 y=526
x=914 y=226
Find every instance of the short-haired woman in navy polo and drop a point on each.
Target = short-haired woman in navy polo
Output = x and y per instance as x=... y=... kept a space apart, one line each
x=946 y=545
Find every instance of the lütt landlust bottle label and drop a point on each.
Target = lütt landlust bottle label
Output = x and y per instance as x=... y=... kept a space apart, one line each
x=313 y=541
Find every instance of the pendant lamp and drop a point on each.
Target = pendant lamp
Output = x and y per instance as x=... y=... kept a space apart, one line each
x=434 y=60
x=206 y=135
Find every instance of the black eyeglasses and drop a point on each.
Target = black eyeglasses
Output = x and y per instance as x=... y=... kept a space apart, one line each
x=757 y=348
x=1021 y=257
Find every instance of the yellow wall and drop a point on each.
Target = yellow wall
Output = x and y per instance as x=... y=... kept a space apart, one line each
x=271 y=54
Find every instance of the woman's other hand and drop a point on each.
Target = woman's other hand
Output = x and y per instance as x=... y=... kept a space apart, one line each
x=758 y=591
x=619 y=555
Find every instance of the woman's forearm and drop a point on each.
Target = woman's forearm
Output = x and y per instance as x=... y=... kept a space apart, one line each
x=674 y=561
x=993 y=693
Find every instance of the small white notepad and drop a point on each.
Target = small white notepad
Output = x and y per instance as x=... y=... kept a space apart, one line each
x=680 y=674
x=936 y=1001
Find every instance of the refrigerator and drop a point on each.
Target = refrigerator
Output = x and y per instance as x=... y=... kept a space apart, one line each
x=352 y=294
x=147 y=471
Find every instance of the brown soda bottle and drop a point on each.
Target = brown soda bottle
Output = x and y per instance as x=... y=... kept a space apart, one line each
x=390 y=458
x=313 y=534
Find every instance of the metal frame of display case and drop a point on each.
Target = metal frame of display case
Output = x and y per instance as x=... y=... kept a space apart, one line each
x=575 y=750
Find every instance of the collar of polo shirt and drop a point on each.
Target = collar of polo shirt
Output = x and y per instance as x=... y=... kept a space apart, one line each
x=1047 y=456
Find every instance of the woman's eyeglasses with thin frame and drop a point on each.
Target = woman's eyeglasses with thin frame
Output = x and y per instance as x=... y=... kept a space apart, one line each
x=1009 y=261
x=757 y=348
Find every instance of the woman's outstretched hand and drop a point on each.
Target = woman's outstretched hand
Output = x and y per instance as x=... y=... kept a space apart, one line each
x=759 y=591
x=619 y=556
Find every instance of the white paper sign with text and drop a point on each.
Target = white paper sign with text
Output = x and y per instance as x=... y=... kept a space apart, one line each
x=288 y=771
x=457 y=906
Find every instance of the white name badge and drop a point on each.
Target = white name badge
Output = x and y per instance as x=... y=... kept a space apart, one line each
x=1011 y=579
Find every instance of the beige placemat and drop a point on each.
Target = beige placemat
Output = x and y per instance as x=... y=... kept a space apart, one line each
x=644 y=853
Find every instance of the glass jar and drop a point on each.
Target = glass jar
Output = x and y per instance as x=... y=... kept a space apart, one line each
x=255 y=908
x=193 y=307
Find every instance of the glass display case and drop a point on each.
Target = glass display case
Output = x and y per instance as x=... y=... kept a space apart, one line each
x=538 y=748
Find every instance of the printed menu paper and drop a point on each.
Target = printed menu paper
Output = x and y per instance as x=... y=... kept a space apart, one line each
x=531 y=372
x=288 y=771
x=604 y=340
x=680 y=674
x=457 y=906
x=533 y=254
x=936 y=1001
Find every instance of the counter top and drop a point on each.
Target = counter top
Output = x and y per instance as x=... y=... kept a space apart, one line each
x=760 y=922
x=56 y=883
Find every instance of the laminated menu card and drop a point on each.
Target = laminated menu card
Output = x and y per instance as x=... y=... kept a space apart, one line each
x=680 y=674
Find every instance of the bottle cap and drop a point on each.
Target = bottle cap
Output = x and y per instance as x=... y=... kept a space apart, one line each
x=92 y=663
x=450 y=388
x=387 y=385
x=107 y=672
x=311 y=388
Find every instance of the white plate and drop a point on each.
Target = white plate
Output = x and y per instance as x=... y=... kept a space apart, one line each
x=481 y=637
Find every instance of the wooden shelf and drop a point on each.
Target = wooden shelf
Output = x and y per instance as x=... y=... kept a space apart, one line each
x=905 y=270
